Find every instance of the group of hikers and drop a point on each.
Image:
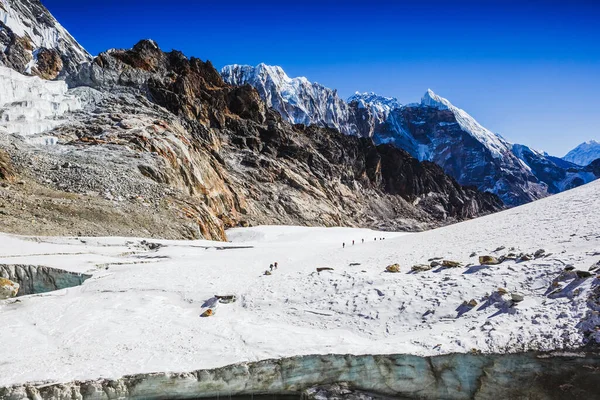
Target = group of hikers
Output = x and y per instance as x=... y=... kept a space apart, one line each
x=272 y=267
x=363 y=240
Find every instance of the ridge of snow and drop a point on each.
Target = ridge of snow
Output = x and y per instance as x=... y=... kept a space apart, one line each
x=492 y=141
x=380 y=104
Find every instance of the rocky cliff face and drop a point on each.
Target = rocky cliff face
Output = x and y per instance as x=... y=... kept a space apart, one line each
x=33 y=42
x=221 y=145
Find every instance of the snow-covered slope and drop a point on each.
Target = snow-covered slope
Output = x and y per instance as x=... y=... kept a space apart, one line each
x=296 y=99
x=493 y=142
x=380 y=105
x=584 y=154
x=32 y=40
x=140 y=310
x=30 y=105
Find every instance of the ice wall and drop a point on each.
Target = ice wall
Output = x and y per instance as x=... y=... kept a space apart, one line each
x=39 y=279
x=30 y=105
x=454 y=376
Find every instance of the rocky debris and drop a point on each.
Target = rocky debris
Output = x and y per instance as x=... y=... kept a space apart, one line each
x=569 y=267
x=524 y=257
x=451 y=264
x=267 y=272
x=208 y=313
x=338 y=391
x=489 y=260
x=473 y=254
x=152 y=246
x=226 y=299
x=393 y=268
x=517 y=297
x=49 y=64
x=584 y=274
x=8 y=289
x=435 y=264
x=436 y=259
x=502 y=291
x=595 y=267
x=421 y=268
x=324 y=269
x=471 y=303
x=500 y=249
x=539 y=253
x=7 y=172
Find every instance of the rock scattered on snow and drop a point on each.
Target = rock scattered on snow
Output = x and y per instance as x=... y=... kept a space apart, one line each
x=393 y=268
x=488 y=260
x=539 y=253
x=8 y=289
x=324 y=269
x=583 y=274
x=451 y=264
x=421 y=268
x=517 y=297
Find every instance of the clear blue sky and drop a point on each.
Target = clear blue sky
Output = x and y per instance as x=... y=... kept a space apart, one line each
x=529 y=70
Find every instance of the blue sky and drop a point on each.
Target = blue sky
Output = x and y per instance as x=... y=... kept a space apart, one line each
x=529 y=70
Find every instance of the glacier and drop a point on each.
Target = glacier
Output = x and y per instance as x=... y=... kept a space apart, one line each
x=30 y=105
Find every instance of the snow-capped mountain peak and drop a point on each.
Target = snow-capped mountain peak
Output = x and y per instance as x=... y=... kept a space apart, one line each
x=34 y=42
x=492 y=141
x=297 y=99
x=584 y=154
x=379 y=103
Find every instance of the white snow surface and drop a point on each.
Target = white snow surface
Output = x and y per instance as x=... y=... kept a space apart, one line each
x=142 y=314
x=584 y=154
x=30 y=105
x=382 y=106
x=492 y=141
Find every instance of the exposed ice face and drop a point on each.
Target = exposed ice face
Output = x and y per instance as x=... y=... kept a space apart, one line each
x=492 y=141
x=30 y=105
x=584 y=154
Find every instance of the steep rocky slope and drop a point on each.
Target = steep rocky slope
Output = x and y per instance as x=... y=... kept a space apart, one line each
x=164 y=132
x=33 y=42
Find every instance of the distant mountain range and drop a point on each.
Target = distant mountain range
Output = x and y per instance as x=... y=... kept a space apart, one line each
x=432 y=130
x=584 y=154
